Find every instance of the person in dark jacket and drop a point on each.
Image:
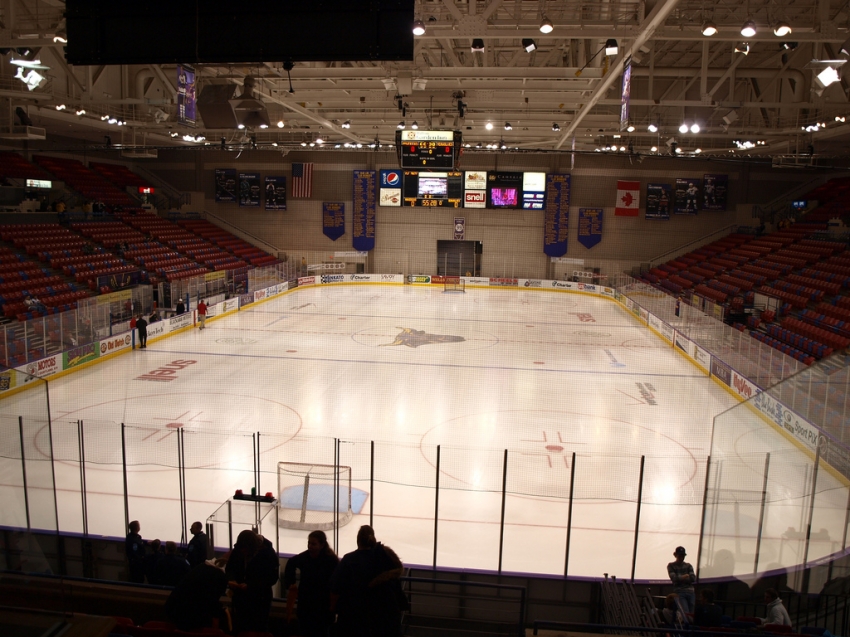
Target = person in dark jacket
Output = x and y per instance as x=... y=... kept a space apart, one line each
x=253 y=568
x=366 y=589
x=142 y=326
x=152 y=559
x=196 y=601
x=315 y=566
x=196 y=552
x=171 y=567
x=134 y=548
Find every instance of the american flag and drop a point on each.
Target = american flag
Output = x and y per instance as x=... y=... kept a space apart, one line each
x=302 y=180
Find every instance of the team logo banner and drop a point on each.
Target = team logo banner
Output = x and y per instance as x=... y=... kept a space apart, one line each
x=658 y=199
x=225 y=185
x=589 y=226
x=714 y=192
x=275 y=193
x=363 y=213
x=556 y=223
x=460 y=228
x=186 y=105
x=249 y=190
x=333 y=220
x=687 y=196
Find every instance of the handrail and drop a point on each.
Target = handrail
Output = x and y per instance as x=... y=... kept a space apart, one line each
x=661 y=258
x=171 y=192
x=782 y=200
x=237 y=231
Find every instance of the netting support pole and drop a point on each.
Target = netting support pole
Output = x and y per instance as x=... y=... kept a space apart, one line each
x=257 y=466
x=806 y=571
x=124 y=473
x=637 y=516
x=502 y=521
x=704 y=511
x=372 y=484
x=436 y=506
x=761 y=511
x=24 y=472
x=570 y=513
x=846 y=521
x=337 y=461
x=181 y=479
x=82 y=446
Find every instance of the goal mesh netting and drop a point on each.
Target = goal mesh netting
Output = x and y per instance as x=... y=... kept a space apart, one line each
x=306 y=494
x=453 y=284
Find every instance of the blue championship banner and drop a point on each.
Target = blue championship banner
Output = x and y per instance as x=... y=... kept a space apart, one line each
x=589 y=226
x=225 y=184
x=556 y=223
x=659 y=199
x=363 y=214
x=333 y=220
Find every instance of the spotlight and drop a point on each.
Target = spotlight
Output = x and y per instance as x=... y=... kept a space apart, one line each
x=418 y=27
x=112 y=120
x=683 y=128
x=697 y=151
x=240 y=126
x=414 y=126
x=489 y=125
x=60 y=107
x=81 y=112
x=346 y=124
x=555 y=127
x=611 y=47
x=630 y=128
x=828 y=76
x=528 y=44
x=652 y=128
x=103 y=118
x=789 y=46
x=319 y=140
x=280 y=124
x=478 y=45
x=508 y=126
x=61 y=37
x=546 y=26
x=742 y=47
x=695 y=128
x=749 y=29
x=677 y=150
x=709 y=28
x=654 y=149
x=400 y=125
x=264 y=125
x=781 y=28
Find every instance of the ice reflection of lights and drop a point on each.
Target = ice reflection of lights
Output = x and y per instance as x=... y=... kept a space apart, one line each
x=665 y=494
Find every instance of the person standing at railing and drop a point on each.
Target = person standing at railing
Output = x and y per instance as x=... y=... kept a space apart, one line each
x=134 y=547
x=776 y=612
x=682 y=575
x=315 y=565
x=142 y=326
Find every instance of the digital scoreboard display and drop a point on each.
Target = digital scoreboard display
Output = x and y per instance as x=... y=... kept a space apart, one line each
x=516 y=190
x=432 y=188
x=425 y=150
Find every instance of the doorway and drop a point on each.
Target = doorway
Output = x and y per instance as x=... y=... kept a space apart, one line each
x=459 y=258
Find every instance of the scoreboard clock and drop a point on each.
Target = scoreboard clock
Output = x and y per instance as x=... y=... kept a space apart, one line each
x=424 y=150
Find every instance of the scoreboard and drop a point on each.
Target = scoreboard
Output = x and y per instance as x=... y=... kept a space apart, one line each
x=424 y=150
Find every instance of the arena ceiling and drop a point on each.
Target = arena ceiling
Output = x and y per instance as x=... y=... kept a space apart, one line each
x=564 y=95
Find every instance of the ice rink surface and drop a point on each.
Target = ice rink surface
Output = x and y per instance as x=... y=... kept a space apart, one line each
x=540 y=374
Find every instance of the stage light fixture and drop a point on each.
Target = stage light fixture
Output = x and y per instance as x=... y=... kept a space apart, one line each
x=652 y=128
x=781 y=28
x=418 y=27
x=611 y=47
x=556 y=127
x=508 y=126
x=749 y=29
x=742 y=47
x=414 y=126
x=546 y=26
x=489 y=125
x=346 y=124
x=709 y=28
x=477 y=45
x=528 y=44
x=400 y=125
x=695 y=128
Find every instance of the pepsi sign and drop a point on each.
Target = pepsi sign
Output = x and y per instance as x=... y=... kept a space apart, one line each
x=390 y=179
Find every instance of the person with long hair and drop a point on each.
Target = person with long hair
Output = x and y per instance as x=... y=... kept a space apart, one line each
x=314 y=567
x=252 y=568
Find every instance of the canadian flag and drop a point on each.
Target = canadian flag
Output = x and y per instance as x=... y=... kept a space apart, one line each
x=628 y=199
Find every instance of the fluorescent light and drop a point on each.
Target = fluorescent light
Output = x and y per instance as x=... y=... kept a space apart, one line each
x=749 y=29
x=611 y=47
x=418 y=27
x=546 y=26
x=828 y=76
x=709 y=28
x=30 y=64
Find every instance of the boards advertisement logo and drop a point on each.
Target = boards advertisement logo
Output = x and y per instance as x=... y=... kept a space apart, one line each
x=6 y=381
x=744 y=387
x=721 y=371
x=701 y=356
x=590 y=287
x=503 y=282
x=787 y=419
x=476 y=280
x=682 y=343
x=114 y=344
x=532 y=283
x=562 y=284
x=306 y=280
x=415 y=278
x=79 y=355
x=333 y=278
x=167 y=372
x=388 y=277
x=176 y=322
x=44 y=367
x=230 y=304
x=361 y=277
x=259 y=294
x=390 y=179
x=156 y=329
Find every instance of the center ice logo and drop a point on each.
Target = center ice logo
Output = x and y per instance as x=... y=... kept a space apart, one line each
x=414 y=338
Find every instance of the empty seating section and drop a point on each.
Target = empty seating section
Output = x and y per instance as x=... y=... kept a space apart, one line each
x=88 y=183
x=119 y=175
x=14 y=166
x=809 y=276
x=242 y=249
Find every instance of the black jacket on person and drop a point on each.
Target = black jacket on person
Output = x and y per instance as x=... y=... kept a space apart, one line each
x=197 y=549
x=314 y=589
x=134 y=547
x=196 y=600
x=252 y=605
x=170 y=570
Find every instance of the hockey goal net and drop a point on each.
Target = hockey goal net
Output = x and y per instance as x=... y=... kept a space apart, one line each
x=313 y=496
x=453 y=284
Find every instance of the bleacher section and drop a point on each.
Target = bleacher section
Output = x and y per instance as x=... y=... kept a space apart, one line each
x=798 y=266
x=119 y=175
x=90 y=184
x=14 y=166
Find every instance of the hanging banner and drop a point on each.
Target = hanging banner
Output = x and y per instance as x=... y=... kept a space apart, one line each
x=714 y=189
x=460 y=228
x=687 y=196
x=249 y=190
x=333 y=220
x=363 y=214
x=556 y=220
x=628 y=199
x=275 y=193
x=390 y=189
x=186 y=112
x=589 y=226
x=658 y=198
x=225 y=184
